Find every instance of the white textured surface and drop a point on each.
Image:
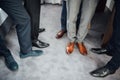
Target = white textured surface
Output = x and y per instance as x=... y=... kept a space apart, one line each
x=55 y=64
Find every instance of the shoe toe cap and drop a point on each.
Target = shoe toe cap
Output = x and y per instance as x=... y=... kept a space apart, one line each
x=13 y=66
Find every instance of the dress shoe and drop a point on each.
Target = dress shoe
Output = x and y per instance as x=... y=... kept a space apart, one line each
x=102 y=72
x=70 y=47
x=101 y=51
x=32 y=53
x=82 y=48
x=39 y=44
x=10 y=62
x=41 y=30
x=60 y=34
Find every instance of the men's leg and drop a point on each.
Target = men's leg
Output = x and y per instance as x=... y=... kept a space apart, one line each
x=72 y=11
x=41 y=29
x=33 y=8
x=114 y=63
x=9 y=60
x=64 y=16
x=87 y=12
x=18 y=14
x=63 y=21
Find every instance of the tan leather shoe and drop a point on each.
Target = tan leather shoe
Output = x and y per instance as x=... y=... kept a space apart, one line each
x=82 y=48
x=60 y=34
x=70 y=47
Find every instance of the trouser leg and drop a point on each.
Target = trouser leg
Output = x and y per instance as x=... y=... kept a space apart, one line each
x=114 y=63
x=18 y=14
x=33 y=8
x=72 y=12
x=87 y=12
x=3 y=49
x=64 y=16
x=78 y=19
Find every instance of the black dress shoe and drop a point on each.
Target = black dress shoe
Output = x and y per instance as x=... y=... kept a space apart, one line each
x=102 y=72
x=10 y=62
x=99 y=50
x=41 y=30
x=39 y=44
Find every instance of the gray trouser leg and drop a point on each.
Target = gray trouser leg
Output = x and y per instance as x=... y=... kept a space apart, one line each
x=72 y=11
x=88 y=10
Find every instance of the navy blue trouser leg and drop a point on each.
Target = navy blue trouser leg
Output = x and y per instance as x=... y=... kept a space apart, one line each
x=18 y=14
x=114 y=63
x=64 y=16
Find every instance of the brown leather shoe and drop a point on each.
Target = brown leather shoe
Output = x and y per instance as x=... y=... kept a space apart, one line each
x=82 y=48
x=60 y=34
x=70 y=47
